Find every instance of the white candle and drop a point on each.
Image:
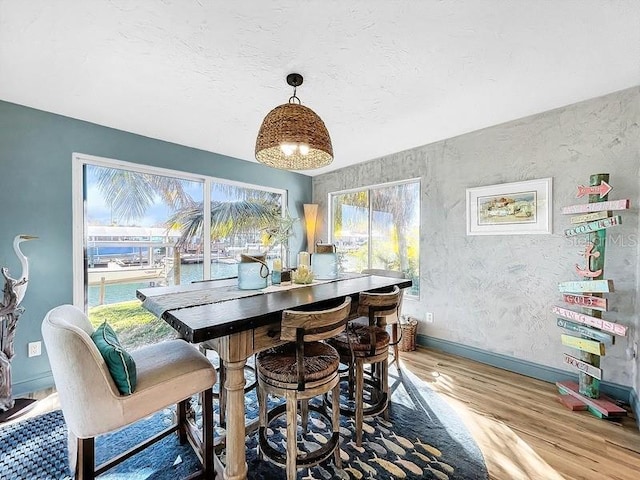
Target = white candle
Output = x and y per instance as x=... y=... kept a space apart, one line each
x=304 y=259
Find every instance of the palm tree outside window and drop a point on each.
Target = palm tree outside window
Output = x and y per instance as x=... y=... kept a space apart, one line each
x=378 y=227
x=145 y=226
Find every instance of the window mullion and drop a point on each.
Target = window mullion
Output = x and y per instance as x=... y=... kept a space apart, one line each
x=370 y=238
x=206 y=229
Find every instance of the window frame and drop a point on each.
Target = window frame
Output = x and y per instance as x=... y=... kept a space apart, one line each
x=79 y=224
x=368 y=189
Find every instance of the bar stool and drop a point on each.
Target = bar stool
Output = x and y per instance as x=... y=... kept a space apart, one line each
x=367 y=344
x=299 y=370
x=394 y=319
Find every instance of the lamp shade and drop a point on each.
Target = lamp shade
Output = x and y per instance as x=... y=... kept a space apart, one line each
x=310 y=219
x=293 y=137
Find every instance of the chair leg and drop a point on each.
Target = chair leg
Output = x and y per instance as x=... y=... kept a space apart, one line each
x=359 y=367
x=72 y=450
x=335 y=421
x=384 y=384
x=396 y=349
x=292 y=433
x=351 y=380
x=207 y=434
x=375 y=377
x=222 y=396
x=181 y=413
x=262 y=408
x=304 y=414
x=86 y=464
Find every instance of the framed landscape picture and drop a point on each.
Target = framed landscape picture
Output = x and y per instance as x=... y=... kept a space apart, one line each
x=517 y=208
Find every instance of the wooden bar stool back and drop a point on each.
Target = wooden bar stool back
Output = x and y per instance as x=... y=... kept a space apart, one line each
x=368 y=344
x=394 y=318
x=299 y=370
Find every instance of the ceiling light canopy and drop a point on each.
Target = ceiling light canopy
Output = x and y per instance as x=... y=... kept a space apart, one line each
x=293 y=137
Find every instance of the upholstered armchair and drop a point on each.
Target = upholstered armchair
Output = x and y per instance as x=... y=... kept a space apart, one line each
x=167 y=373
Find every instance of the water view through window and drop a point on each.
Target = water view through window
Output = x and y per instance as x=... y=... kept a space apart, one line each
x=144 y=229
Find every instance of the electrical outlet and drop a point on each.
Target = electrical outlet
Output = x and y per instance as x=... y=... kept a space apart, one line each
x=35 y=349
x=428 y=317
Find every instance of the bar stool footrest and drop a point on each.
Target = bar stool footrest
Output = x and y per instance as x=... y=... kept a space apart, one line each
x=372 y=410
x=308 y=459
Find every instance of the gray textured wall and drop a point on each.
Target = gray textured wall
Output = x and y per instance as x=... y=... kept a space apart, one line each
x=495 y=292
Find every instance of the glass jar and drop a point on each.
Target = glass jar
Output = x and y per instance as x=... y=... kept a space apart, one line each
x=252 y=272
x=324 y=262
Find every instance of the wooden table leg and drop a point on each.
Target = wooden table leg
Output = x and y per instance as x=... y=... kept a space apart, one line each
x=236 y=468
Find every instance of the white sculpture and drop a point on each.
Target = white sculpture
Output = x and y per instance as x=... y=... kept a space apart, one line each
x=10 y=311
x=24 y=263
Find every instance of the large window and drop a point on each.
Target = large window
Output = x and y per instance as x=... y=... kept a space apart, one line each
x=378 y=227
x=137 y=226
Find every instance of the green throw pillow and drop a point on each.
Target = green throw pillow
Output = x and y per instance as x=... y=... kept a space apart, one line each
x=120 y=363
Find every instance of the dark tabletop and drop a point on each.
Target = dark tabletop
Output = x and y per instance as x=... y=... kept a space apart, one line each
x=204 y=322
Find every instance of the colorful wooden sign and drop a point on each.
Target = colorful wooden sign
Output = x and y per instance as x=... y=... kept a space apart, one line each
x=590 y=217
x=603 y=337
x=588 y=253
x=583 y=344
x=586 y=286
x=585 y=272
x=586 y=301
x=611 y=327
x=583 y=366
x=593 y=219
x=572 y=403
x=601 y=190
x=594 y=226
x=603 y=407
x=596 y=207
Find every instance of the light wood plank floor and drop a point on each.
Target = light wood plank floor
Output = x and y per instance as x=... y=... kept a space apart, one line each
x=521 y=428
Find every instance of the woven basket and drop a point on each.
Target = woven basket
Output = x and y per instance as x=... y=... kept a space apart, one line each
x=409 y=330
x=294 y=125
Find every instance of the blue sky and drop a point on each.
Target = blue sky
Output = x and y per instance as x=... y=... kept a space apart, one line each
x=99 y=210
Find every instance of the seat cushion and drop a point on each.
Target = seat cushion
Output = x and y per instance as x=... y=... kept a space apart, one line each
x=360 y=338
x=121 y=365
x=168 y=372
x=279 y=363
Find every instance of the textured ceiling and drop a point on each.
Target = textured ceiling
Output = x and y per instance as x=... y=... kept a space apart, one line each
x=384 y=75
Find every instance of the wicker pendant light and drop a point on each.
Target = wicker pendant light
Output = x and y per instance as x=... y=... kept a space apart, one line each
x=293 y=137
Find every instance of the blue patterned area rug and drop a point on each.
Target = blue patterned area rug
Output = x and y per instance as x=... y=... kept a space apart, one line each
x=424 y=439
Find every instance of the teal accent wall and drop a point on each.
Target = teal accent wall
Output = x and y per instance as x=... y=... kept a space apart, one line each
x=36 y=150
x=635 y=405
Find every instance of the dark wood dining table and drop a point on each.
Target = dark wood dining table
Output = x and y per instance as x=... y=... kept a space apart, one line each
x=239 y=327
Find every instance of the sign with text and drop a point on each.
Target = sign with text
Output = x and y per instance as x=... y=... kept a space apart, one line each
x=583 y=366
x=612 y=327
x=594 y=226
x=601 y=190
x=606 y=338
x=586 y=286
x=587 y=301
x=590 y=217
x=596 y=207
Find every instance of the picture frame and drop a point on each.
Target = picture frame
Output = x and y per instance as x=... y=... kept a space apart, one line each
x=517 y=208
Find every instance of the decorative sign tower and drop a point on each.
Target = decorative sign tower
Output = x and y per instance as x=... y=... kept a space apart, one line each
x=595 y=333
